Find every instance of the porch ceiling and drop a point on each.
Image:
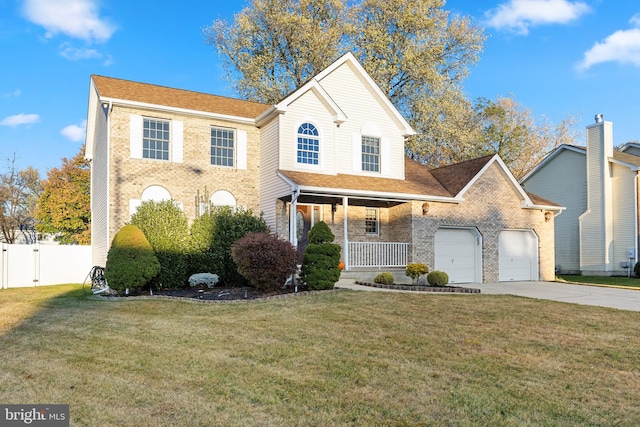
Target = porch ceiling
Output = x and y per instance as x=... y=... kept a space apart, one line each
x=328 y=199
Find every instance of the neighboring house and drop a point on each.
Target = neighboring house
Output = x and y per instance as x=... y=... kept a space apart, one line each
x=598 y=232
x=334 y=151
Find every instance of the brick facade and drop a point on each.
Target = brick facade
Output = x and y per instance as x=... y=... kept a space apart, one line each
x=129 y=177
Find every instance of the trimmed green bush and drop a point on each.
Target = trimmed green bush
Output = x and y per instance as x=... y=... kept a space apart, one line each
x=265 y=260
x=384 y=278
x=437 y=278
x=416 y=270
x=321 y=259
x=636 y=269
x=131 y=262
x=166 y=228
x=212 y=236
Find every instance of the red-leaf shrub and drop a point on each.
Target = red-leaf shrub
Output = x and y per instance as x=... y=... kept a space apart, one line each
x=265 y=260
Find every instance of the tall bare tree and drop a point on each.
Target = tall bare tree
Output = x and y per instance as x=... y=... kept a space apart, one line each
x=19 y=191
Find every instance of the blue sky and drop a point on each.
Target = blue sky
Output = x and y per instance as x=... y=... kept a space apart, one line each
x=555 y=57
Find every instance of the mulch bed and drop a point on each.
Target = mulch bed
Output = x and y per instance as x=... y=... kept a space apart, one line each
x=421 y=288
x=219 y=294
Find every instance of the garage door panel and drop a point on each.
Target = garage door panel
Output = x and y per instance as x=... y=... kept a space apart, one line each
x=517 y=255
x=456 y=254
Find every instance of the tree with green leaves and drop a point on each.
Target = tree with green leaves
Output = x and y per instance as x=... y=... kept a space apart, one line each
x=19 y=191
x=64 y=207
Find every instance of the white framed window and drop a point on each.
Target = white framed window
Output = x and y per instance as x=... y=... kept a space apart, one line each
x=370 y=154
x=372 y=221
x=155 y=139
x=308 y=145
x=223 y=147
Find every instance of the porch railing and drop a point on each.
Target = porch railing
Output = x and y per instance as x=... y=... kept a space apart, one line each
x=378 y=255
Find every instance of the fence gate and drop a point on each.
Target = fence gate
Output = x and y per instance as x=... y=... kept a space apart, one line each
x=37 y=264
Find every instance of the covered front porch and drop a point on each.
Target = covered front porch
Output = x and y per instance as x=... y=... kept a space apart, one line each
x=374 y=234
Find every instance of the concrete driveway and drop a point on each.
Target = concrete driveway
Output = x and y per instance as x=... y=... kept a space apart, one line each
x=622 y=299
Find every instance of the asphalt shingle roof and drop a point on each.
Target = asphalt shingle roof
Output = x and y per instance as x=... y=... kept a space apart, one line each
x=160 y=95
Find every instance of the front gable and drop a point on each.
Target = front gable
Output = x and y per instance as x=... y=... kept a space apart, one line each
x=348 y=112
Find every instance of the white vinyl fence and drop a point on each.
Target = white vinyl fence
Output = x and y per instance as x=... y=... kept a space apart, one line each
x=38 y=265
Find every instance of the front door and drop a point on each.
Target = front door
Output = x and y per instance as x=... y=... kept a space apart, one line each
x=303 y=225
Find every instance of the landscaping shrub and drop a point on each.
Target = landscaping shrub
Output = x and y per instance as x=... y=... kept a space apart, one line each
x=131 y=262
x=212 y=236
x=415 y=271
x=320 y=263
x=384 y=278
x=166 y=228
x=636 y=269
x=437 y=278
x=265 y=260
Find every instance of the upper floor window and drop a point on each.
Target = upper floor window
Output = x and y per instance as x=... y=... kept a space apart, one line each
x=308 y=144
x=222 y=146
x=370 y=154
x=155 y=139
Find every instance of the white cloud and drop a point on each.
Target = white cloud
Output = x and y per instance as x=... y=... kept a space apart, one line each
x=623 y=47
x=20 y=119
x=13 y=94
x=75 y=133
x=519 y=15
x=74 y=54
x=75 y=18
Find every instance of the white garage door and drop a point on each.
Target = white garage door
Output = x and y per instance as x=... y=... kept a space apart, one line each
x=458 y=253
x=518 y=255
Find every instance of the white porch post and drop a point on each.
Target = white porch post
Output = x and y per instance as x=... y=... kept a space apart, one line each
x=293 y=225
x=345 y=248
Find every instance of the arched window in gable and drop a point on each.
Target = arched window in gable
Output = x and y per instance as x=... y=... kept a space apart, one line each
x=308 y=145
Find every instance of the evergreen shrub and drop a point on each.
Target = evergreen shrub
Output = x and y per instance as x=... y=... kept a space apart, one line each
x=384 y=278
x=321 y=259
x=438 y=278
x=131 y=262
x=166 y=228
x=214 y=233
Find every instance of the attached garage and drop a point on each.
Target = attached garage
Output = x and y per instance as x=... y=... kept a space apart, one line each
x=518 y=255
x=458 y=252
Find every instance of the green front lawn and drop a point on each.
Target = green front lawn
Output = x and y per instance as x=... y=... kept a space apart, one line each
x=327 y=359
x=603 y=280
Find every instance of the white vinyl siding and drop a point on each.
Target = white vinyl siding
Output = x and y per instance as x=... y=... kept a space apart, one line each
x=596 y=252
x=360 y=107
x=100 y=239
x=624 y=214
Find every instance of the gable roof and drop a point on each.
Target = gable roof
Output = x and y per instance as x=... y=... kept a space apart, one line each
x=629 y=160
x=457 y=176
x=117 y=90
x=315 y=85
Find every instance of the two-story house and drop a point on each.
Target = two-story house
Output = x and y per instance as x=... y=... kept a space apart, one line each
x=331 y=151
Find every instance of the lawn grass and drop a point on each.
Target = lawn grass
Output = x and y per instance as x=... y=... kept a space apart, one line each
x=327 y=359
x=632 y=282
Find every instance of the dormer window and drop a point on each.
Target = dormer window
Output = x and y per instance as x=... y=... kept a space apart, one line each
x=308 y=145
